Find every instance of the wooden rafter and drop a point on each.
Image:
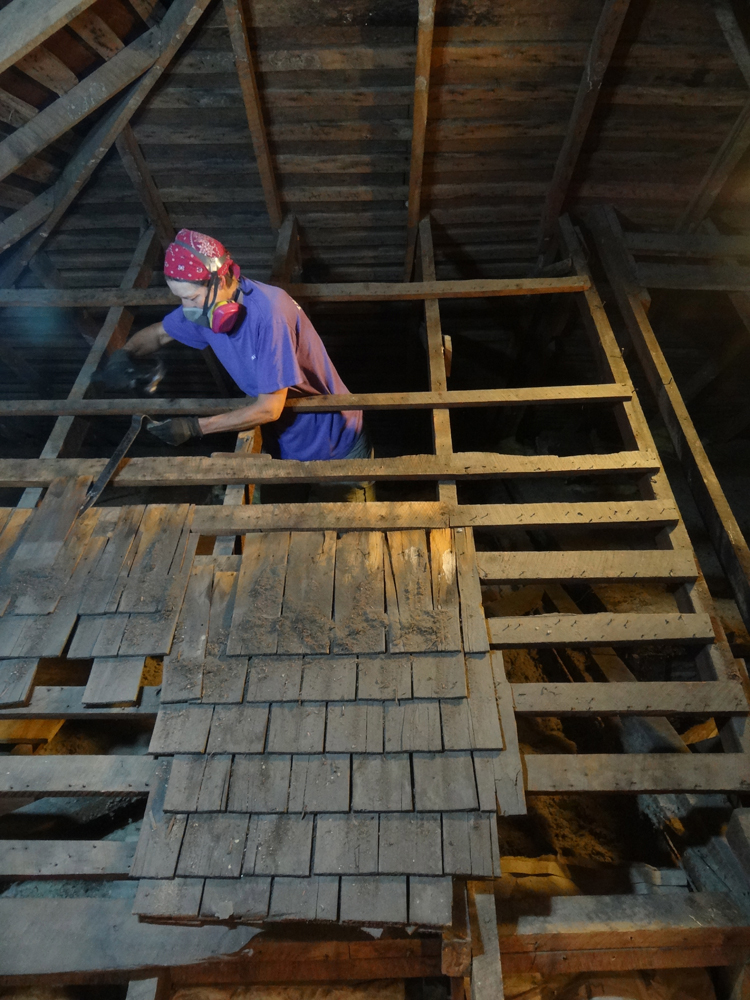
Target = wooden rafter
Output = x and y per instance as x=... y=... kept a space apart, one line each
x=736 y=143
x=139 y=173
x=602 y=46
x=419 y=126
x=24 y=24
x=46 y=210
x=244 y=61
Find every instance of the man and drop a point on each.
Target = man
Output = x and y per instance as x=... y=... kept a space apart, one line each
x=265 y=342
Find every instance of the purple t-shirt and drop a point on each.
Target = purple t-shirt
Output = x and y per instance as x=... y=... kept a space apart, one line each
x=276 y=347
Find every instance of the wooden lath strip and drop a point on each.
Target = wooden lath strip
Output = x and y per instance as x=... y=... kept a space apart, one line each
x=243 y=58
x=656 y=698
x=425 y=29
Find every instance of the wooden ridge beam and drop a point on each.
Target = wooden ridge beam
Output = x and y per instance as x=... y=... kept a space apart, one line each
x=600 y=629
x=67 y=703
x=383 y=516
x=636 y=773
x=636 y=698
x=597 y=61
x=425 y=28
x=230 y=468
x=70 y=298
x=243 y=58
x=437 y=400
x=24 y=24
x=724 y=531
x=677 y=565
x=77 y=774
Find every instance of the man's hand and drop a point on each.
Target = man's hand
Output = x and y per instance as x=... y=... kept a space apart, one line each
x=176 y=431
x=119 y=373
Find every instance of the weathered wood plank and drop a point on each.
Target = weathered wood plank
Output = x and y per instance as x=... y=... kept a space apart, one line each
x=16 y=681
x=359 y=612
x=58 y=859
x=26 y=25
x=305 y=624
x=657 y=698
x=473 y=623
x=678 y=565
x=601 y=629
x=76 y=775
x=223 y=470
x=636 y=773
x=260 y=591
x=67 y=703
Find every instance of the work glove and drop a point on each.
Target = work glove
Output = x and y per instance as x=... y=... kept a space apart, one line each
x=119 y=373
x=176 y=431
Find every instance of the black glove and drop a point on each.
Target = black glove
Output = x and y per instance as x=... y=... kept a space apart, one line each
x=119 y=373
x=176 y=431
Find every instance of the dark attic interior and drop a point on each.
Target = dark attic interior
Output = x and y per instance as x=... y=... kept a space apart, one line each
x=374 y=494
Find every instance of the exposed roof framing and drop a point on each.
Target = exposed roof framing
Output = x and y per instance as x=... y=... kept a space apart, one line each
x=597 y=62
x=419 y=126
x=246 y=72
x=26 y=23
x=139 y=173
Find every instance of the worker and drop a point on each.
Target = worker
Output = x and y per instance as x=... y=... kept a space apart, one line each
x=269 y=347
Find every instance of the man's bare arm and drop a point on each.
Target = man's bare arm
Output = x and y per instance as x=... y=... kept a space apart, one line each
x=267 y=407
x=148 y=340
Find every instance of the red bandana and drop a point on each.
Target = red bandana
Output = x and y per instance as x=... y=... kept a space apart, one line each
x=182 y=265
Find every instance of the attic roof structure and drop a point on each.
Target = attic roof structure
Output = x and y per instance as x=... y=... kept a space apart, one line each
x=435 y=743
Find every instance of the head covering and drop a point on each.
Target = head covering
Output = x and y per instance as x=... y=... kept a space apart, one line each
x=188 y=258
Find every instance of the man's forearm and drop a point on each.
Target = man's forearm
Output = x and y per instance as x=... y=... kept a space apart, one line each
x=148 y=340
x=259 y=412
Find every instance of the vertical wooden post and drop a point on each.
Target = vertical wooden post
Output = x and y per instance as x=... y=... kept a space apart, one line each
x=419 y=126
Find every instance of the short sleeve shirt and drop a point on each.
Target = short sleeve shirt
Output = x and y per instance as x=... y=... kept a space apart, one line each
x=276 y=347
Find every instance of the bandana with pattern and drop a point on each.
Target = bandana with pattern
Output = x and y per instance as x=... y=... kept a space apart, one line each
x=182 y=265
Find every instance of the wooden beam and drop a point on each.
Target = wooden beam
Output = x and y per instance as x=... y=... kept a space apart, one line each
x=600 y=629
x=425 y=27
x=437 y=400
x=226 y=469
x=139 y=173
x=286 y=255
x=46 y=210
x=94 y=90
x=24 y=24
x=57 y=859
x=244 y=62
x=68 y=432
x=737 y=141
x=67 y=703
x=380 y=516
x=660 y=564
x=597 y=61
x=636 y=773
x=638 y=698
x=77 y=774
x=730 y=545
x=69 y=298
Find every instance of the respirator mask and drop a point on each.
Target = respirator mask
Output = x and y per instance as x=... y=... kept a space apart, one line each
x=217 y=315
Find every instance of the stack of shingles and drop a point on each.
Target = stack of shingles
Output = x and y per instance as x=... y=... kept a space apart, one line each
x=317 y=785
x=112 y=578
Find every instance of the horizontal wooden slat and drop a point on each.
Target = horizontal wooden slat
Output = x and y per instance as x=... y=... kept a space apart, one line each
x=695 y=276
x=53 y=859
x=636 y=772
x=623 y=565
x=552 y=515
x=229 y=468
x=79 y=774
x=602 y=629
x=67 y=703
x=215 y=520
x=637 y=698
x=383 y=291
x=322 y=404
